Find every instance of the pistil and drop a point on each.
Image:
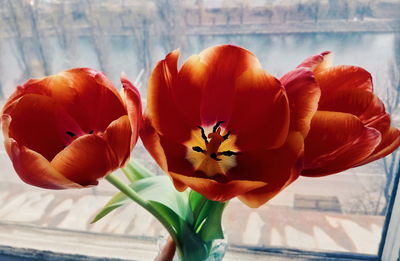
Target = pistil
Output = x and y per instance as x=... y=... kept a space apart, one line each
x=213 y=153
x=213 y=141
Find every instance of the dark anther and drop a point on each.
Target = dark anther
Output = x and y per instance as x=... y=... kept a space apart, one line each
x=197 y=149
x=203 y=134
x=71 y=134
x=226 y=136
x=91 y=132
x=228 y=153
x=214 y=156
x=217 y=125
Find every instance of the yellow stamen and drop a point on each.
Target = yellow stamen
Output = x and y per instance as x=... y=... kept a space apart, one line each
x=213 y=154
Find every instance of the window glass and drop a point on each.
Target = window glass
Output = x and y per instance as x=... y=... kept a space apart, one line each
x=344 y=212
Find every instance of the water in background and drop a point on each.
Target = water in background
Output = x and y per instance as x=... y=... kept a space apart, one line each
x=277 y=53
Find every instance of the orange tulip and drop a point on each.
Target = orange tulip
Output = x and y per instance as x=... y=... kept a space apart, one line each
x=351 y=127
x=70 y=129
x=222 y=126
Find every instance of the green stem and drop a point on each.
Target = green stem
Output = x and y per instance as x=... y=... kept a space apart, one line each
x=129 y=192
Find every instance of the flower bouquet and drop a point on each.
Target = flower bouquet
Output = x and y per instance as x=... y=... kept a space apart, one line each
x=220 y=127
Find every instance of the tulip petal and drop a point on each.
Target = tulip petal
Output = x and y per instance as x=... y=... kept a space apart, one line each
x=264 y=123
x=162 y=111
x=224 y=64
x=337 y=141
x=175 y=154
x=5 y=126
x=87 y=95
x=260 y=196
x=134 y=108
x=38 y=123
x=85 y=160
x=151 y=141
x=341 y=78
x=278 y=168
x=95 y=103
x=12 y=101
x=303 y=93
x=390 y=142
x=117 y=136
x=35 y=170
x=365 y=105
x=217 y=191
x=188 y=89
x=101 y=80
x=318 y=63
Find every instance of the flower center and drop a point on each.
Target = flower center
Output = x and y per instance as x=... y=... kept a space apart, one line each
x=213 y=153
x=71 y=136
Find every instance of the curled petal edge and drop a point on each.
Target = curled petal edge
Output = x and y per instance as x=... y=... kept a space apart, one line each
x=214 y=190
x=132 y=100
x=116 y=137
x=318 y=63
x=390 y=142
x=35 y=170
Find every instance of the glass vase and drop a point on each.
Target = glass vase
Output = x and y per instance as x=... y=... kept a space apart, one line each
x=217 y=252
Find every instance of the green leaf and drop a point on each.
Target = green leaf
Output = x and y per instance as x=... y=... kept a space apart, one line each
x=212 y=229
x=168 y=214
x=116 y=201
x=192 y=247
x=205 y=210
x=161 y=189
x=155 y=188
x=172 y=208
x=196 y=201
x=200 y=207
x=135 y=171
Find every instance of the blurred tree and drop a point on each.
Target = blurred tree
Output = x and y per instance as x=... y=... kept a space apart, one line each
x=15 y=27
x=363 y=9
x=244 y=9
x=30 y=43
x=39 y=39
x=170 y=23
x=200 y=7
x=64 y=28
x=314 y=10
x=391 y=163
x=138 y=21
x=99 y=27
x=334 y=9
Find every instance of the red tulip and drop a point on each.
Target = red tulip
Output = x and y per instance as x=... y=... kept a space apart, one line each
x=351 y=127
x=221 y=125
x=70 y=129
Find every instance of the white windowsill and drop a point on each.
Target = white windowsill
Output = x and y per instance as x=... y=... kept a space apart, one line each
x=106 y=246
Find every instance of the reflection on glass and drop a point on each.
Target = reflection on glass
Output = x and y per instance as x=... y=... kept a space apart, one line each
x=344 y=212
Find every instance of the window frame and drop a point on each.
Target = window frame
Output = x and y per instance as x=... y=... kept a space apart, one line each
x=388 y=249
